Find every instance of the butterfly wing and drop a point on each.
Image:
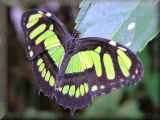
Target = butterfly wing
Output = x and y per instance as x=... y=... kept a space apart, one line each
x=120 y=66
x=97 y=67
x=73 y=93
x=46 y=41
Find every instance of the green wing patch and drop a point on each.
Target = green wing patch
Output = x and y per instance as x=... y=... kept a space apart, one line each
x=124 y=62
x=45 y=73
x=37 y=31
x=84 y=60
x=33 y=19
x=109 y=67
x=75 y=91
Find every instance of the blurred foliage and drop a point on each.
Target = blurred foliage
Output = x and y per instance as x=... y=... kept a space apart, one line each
x=139 y=101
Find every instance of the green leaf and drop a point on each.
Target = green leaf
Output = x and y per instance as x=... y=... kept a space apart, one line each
x=132 y=23
x=84 y=5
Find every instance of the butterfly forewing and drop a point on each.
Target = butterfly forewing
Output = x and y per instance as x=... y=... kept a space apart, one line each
x=43 y=33
x=45 y=45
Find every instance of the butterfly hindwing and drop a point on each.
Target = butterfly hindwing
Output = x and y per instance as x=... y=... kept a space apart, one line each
x=73 y=93
x=114 y=65
x=99 y=66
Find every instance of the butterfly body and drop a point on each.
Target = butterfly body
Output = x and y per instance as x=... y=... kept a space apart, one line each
x=73 y=70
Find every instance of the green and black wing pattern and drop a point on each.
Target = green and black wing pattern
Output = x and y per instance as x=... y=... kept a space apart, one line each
x=96 y=67
x=74 y=70
x=45 y=46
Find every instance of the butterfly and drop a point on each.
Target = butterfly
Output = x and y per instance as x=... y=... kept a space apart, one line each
x=73 y=70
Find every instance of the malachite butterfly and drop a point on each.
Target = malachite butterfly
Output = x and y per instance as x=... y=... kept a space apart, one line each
x=73 y=70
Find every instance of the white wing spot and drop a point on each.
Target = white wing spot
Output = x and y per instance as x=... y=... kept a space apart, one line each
x=136 y=71
x=133 y=76
x=94 y=88
x=40 y=12
x=113 y=43
x=124 y=49
x=31 y=53
x=128 y=44
x=29 y=47
x=131 y=26
x=102 y=87
x=48 y=14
